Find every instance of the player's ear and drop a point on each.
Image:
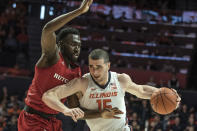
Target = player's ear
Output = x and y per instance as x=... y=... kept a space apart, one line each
x=108 y=64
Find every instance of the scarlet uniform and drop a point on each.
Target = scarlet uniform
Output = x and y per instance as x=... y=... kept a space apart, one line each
x=45 y=79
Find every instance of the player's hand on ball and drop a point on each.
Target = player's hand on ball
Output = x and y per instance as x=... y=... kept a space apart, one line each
x=75 y=113
x=111 y=113
x=85 y=5
x=178 y=98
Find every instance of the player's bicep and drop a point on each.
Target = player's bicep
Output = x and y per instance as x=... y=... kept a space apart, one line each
x=65 y=90
x=48 y=43
x=129 y=86
x=135 y=89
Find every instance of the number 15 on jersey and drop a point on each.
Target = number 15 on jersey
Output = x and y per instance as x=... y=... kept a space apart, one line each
x=104 y=103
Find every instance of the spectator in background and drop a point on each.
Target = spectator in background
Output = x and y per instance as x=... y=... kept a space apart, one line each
x=191 y=124
x=151 y=82
x=11 y=43
x=161 y=83
x=12 y=124
x=1 y=45
x=135 y=126
x=3 y=100
x=22 y=38
x=144 y=113
x=173 y=82
x=176 y=126
x=167 y=67
x=150 y=66
x=184 y=116
x=3 y=109
x=3 y=19
x=2 y=32
x=155 y=124
x=2 y=122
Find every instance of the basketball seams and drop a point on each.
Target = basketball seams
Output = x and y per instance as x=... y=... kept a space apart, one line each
x=163 y=101
x=169 y=99
x=154 y=97
x=173 y=91
x=156 y=103
x=162 y=93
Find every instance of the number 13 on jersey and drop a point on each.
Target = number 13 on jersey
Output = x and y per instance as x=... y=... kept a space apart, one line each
x=103 y=103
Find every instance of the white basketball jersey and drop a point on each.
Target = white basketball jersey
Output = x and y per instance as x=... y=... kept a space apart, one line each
x=96 y=98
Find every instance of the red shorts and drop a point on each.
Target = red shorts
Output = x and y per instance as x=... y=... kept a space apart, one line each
x=33 y=122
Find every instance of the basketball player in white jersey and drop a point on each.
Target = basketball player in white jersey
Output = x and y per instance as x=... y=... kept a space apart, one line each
x=100 y=89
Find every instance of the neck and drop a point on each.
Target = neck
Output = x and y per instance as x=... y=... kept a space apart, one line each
x=103 y=84
x=66 y=60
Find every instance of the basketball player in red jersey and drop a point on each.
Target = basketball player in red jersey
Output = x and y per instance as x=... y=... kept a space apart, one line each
x=55 y=67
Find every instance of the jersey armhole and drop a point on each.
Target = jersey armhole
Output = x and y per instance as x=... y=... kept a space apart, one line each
x=119 y=85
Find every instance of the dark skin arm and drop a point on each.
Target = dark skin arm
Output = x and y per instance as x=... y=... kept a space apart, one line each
x=48 y=39
x=106 y=113
x=73 y=102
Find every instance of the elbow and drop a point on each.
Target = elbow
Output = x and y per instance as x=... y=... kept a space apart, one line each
x=141 y=94
x=46 y=97
x=46 y=29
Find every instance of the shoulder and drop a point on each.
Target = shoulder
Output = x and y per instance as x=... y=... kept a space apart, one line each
x=47 y=60
x=87 y=75
x=82 y=81
x=123 y=77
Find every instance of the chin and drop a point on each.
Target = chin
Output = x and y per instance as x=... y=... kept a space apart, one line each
x=74 y=59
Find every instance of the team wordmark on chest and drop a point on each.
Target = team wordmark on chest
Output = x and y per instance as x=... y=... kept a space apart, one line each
x=61 y=78
x=103 y=94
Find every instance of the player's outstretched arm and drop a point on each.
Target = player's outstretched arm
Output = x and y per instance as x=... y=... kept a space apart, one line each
x=48 y=39
x=53 y=96
x=141 y=91
x=106 y=113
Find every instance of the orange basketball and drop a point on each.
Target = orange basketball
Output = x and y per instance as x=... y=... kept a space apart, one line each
x=164 y=101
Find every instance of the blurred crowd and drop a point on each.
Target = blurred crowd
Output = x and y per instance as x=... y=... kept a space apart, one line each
x=97 y=27
x=13 y=36
x=10 y=108
x=141 y=116
x=159 y=46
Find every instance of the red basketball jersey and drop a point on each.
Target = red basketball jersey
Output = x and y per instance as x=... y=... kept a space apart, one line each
x=47 y=78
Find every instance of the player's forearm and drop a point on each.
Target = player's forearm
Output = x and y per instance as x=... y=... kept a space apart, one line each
x=147 y=91
x=53 y=102
x=60 y=21
x=91 y=114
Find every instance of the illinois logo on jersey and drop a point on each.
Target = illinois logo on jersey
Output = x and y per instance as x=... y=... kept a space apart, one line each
x=113 y=86
x=93 y=89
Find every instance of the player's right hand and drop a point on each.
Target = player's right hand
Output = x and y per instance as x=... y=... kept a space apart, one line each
x=75 y=113
x=178 y=99
x=85 y=5
x=111 y=113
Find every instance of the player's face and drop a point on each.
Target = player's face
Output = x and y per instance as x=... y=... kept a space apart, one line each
x=99 y=70
x=71 y=46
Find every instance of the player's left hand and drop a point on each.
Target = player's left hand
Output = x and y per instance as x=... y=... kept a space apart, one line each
x=74 y=113
x=178 y=98
x=85 y=5
x=111 y=113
